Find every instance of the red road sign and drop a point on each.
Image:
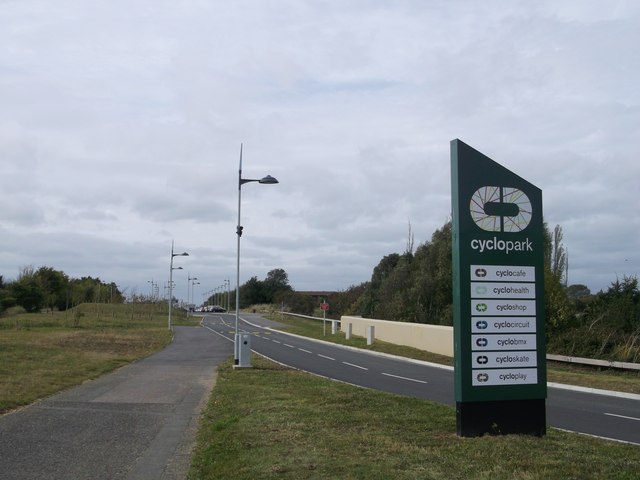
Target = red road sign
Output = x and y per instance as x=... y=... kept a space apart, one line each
x=324 y=306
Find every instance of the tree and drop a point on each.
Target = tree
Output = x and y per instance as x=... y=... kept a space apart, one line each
x=27 y=291
x=371 y=298
x=251 y=292
x=277 y=281
x=558 y=256
x=559 y=312
x=56 y=287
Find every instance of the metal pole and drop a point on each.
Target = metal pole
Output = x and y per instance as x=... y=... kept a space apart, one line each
x=188 y=282
x=239 y=233
x=170 y=284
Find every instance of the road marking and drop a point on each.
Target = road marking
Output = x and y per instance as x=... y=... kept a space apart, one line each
x=303 y=350
x=356 y=366
x=287 y=345
x=622 y=416
x=404 y=378
x=324 y=356
x=275 y=341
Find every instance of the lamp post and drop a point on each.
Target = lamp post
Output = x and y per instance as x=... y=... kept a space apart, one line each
x=152 y=289
x=189 y=278
x=171 y=269
x=193 y=284
x=227 y=283
x=268 y=180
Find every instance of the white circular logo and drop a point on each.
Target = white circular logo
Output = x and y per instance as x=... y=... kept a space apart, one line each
x=500 y=209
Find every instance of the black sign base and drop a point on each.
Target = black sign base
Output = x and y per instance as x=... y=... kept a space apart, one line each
x=503 y=417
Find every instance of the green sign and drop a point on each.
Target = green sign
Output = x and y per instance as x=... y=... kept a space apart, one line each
x=498 y=285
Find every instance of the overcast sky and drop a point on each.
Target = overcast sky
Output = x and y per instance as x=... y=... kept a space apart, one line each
x=121 y=123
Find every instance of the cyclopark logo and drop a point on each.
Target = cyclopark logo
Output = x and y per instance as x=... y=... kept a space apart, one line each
x=500 y=209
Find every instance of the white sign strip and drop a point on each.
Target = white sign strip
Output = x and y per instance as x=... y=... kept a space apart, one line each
x=502 y=290
x=521 y=376
x=503 y=307
x=510 y=359
x=503 y=342
x=502 y=273
x=503 y=324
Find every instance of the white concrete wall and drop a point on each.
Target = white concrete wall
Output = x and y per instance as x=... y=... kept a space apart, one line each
x=432 y=338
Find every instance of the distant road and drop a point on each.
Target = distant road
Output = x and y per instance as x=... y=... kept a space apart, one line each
x=608 y=416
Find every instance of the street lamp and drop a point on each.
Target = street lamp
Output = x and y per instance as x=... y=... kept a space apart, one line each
x=193 y=284
x=227 y=283
x=171 y=269
x=189 y=278
x=268 y=180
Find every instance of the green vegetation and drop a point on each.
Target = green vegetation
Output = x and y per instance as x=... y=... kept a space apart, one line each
x=416 y=287
x=272 y=422
x=35 y=290
x=43 y=353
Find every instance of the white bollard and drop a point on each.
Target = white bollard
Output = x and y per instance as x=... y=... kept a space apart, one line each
x=348 y=332
x=334 y=327
x=370 y=334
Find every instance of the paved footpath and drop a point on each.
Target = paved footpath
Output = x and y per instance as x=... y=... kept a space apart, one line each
x=136 y=423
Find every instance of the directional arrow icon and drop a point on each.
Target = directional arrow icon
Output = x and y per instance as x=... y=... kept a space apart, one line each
x=482 y=360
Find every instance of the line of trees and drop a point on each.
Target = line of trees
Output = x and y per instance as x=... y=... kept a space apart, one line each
x=417 y=287
x=47 y=288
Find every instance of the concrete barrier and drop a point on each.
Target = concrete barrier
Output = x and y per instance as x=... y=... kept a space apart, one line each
x=431 y=338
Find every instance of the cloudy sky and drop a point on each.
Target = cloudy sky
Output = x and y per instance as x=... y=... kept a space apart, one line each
x=121 y=123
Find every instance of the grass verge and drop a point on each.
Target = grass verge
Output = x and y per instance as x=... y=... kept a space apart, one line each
x=272 y=422
x=41 y=354
x=585 y=376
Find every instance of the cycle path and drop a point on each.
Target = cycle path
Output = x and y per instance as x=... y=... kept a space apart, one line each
x=136 y=423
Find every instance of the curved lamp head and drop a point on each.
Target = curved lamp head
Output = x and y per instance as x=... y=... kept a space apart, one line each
x=269 y=180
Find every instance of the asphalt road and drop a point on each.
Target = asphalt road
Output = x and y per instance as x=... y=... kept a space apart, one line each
x=138 y=422
x=604 y=415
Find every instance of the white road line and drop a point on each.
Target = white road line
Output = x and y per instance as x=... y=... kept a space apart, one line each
x=622 y=416
x=287 y=345
x=303 y=350
x=404 y=378
x=324 y=356
x=354 y=365
x=275 y=341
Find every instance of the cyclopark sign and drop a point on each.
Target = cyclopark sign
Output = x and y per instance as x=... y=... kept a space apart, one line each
x=498 y=286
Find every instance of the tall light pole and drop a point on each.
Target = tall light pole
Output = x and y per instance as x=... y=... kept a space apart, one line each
x=193 y=284
x=228 y=284
x=268 y=180
x=189 y=278
x=171 y=269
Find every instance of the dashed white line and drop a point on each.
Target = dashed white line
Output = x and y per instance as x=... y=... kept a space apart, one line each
x=303 y=350
x=275 y=341
x=324 y=356
x=287 y=345
x=622 y=416
x=404 y=378
x=356 y=366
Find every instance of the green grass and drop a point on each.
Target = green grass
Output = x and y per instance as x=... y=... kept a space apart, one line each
x=607 y=379
x=270 y=422
x=41 y=354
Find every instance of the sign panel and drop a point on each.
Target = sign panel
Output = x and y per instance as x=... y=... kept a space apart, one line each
x=497 y=281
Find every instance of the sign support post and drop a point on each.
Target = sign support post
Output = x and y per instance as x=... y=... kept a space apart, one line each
x=498 y=298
